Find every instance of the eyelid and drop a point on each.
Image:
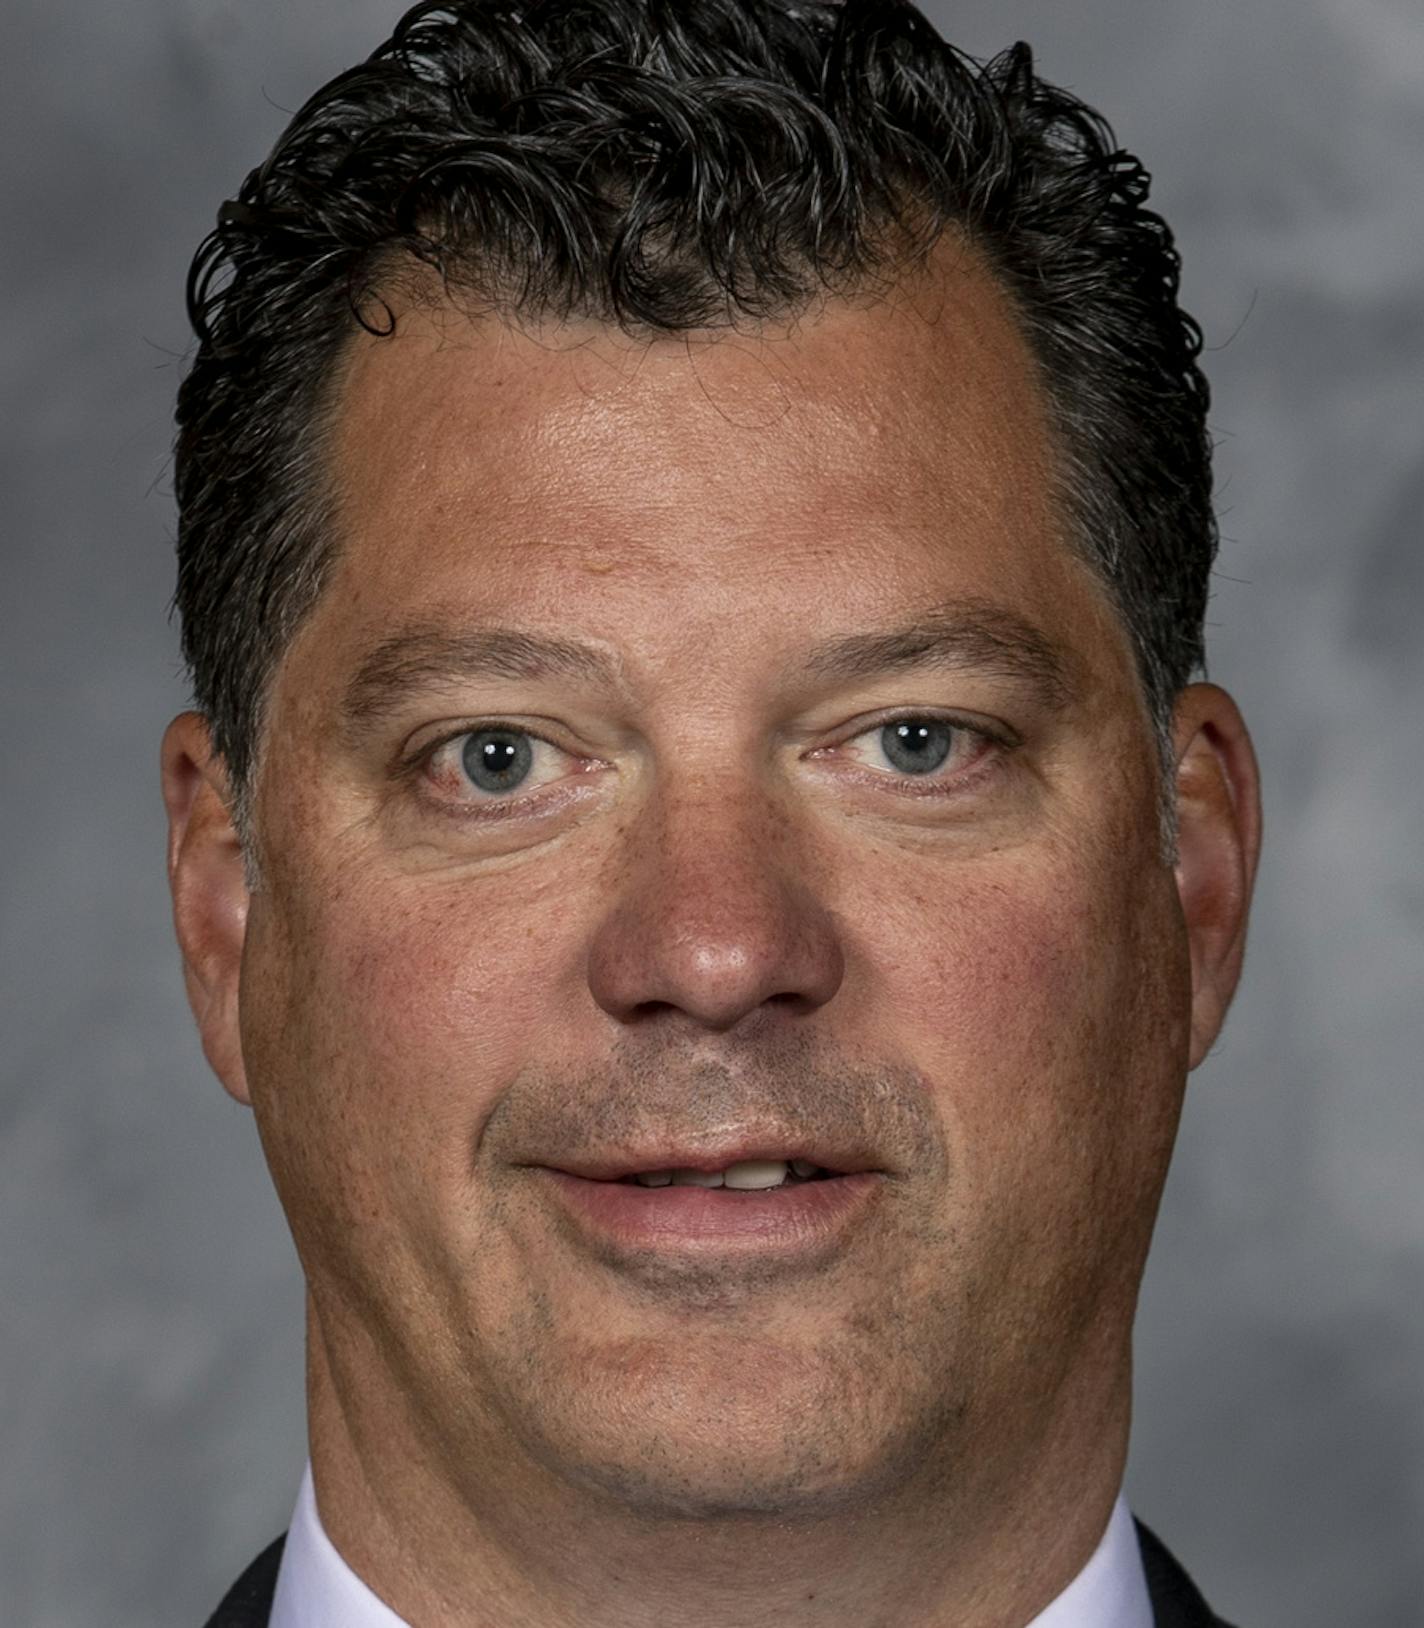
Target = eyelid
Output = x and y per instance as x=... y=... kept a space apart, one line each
x=417 y=763
x=986 y=729
x=992 y=734
x=995 y=741
x=447 y=732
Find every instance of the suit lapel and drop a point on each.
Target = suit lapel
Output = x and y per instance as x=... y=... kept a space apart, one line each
x=1176 y=1600
x=248 y=1603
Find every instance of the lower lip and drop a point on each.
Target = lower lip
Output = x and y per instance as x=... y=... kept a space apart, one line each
x=802 y=1217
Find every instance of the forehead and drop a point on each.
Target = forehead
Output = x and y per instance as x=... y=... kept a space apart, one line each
x=873 y=450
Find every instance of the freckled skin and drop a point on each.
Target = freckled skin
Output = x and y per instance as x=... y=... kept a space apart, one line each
x=1003 y=991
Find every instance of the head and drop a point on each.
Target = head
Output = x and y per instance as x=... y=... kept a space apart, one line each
x=676 y=169
x=694 y=534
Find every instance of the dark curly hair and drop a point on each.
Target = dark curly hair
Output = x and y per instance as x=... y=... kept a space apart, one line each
x=671 y=165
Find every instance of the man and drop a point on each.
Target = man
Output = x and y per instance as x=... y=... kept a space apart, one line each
x=699 y=844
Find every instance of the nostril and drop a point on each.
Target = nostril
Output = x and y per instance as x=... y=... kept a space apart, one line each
x=716 y=952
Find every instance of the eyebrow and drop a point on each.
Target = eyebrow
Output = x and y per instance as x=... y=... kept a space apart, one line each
x=967 y=636
x=963 y=637
x=424 y=657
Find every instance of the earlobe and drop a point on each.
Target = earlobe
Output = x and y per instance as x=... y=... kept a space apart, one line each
x=1218 y=843
x=209 y=886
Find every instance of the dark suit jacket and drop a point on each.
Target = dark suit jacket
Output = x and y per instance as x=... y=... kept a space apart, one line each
x=1175 y=1600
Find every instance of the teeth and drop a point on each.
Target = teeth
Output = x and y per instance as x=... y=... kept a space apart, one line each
x=751 y=1175
x=748 y=1175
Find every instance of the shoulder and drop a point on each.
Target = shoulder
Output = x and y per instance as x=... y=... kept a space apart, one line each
x=1176 y=1600
x=248 y=1603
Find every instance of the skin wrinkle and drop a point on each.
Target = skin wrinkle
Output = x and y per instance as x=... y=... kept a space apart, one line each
x=434 y=656
x=723 y=936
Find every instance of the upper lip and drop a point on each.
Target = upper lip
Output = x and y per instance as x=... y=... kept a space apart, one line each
x=613 y=1166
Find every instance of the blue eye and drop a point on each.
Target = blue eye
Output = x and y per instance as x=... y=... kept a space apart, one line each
x=918 y=745
x=497 y=760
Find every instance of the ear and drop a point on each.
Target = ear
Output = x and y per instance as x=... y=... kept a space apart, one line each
x=209 y=887
x=1218 y=842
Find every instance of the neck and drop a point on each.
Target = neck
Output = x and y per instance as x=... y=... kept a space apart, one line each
x=442 y=1544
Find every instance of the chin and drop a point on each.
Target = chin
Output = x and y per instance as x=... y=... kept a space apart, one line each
x=753 y=1431
x=681 y=1482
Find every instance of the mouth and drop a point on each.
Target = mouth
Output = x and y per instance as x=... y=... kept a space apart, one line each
x=741 y=1176
x=794 y=1208
x=751 y=1162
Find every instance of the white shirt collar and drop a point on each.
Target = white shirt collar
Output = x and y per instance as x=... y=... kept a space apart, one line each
x=315 y=1586
x=1111 y=1590
x=317 y=1589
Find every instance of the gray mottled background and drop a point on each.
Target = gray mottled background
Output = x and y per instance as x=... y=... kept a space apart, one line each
x=151 y=1413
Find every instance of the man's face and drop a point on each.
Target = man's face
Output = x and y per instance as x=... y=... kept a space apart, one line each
x=708 y=751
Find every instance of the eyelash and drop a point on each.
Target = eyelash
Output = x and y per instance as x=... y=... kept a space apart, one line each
x=993 y=744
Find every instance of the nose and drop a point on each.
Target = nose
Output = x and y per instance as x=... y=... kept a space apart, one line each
x=713 y=917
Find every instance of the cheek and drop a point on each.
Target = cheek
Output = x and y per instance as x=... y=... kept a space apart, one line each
x=382 y=1027
x=1040 y=1004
